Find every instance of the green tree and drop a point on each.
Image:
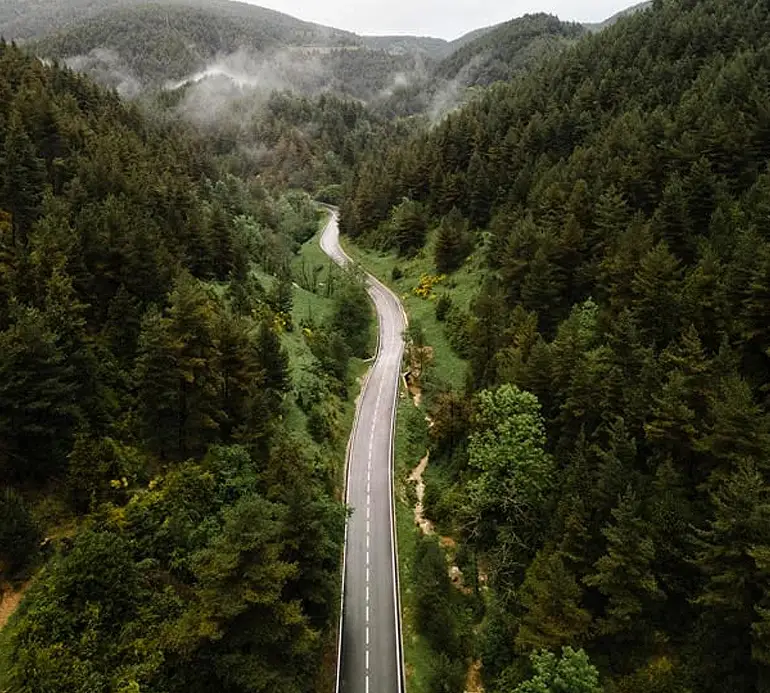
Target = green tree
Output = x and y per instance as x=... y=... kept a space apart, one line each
x=352 y=317
x=37 y=411
x=409 y=227
x=19 y=535
x=434 y=615
x=624 y=574
x=572 y=672
x=453 y=242
x=22 y=180
x=551 y=597
x=507 y=497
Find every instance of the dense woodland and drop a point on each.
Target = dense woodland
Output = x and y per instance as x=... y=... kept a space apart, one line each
x=507 y=49
x=604 y=470
x=145 y=392
x=607 y=467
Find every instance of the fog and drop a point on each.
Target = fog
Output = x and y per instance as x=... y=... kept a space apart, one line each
x=107 y=68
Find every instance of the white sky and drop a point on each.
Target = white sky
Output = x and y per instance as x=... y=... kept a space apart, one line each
x=447 y=19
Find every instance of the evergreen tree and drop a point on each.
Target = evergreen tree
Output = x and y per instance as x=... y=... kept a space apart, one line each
x=453 y=242
x=19 y=535
x=624 y=574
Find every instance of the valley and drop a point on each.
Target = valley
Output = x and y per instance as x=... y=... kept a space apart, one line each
x=383 y=364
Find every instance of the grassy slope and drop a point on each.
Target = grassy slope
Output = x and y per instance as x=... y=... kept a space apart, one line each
x=449 y=368
x=462 y=286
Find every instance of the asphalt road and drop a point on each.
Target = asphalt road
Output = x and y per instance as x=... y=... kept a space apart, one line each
x=370 y=647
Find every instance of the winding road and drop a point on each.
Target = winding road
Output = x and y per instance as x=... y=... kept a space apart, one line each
x=370 y=654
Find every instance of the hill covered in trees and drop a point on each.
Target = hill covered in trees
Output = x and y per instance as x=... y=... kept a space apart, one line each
x=508 y=48
x=135 y=46
x=150 y=419
x=24 y=19
x=608 y=463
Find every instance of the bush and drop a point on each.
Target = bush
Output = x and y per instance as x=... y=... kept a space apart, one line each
x=435 y=618
x=443 y=306
x=396 y=273
x=446 y=675
x=323 y=420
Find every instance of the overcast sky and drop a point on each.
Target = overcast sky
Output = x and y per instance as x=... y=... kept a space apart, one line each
x=441 y=18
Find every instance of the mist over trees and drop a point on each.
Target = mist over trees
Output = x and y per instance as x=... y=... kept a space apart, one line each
x=144 y=396
x=604 y=468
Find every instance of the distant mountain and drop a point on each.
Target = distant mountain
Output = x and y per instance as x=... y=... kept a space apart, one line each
x=470 y=36
x=414 y=45
x=499 y=52
x=135 y=44
x=160 y=42
x=619 y=15
x=25 y=19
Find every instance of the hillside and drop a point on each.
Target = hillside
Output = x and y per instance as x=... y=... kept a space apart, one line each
x=160 y=42
x=414 y=45
x=605 y=470
x=170 y=439
x=502 y=51
x=22 y=19
x=618 y=16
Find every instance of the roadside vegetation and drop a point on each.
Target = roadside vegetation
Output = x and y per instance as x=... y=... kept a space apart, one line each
x=606 y=462
x=172 y=416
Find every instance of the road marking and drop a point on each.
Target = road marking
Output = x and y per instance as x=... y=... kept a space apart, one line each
x=367 y=613
x=367 y=557
x=367 y=541
x=367 y=526
x=367 y=661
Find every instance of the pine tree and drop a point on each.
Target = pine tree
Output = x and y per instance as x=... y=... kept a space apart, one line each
x=551 y=598
x=453 y=242
x=624 y=575
x=23 y=178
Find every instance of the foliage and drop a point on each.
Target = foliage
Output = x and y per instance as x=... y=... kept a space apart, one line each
x=144 y=385
x=19 y=535
x=570 y=673
x=613 y=468
x=508 y=48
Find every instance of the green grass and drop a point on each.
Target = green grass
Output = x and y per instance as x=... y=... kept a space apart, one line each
x=417 y=652
x=461 y=286
x=316 y=307
x=448 y=368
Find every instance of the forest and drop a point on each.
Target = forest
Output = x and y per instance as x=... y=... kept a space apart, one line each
x=171 y=478
x=606 y=464
x=593 y=213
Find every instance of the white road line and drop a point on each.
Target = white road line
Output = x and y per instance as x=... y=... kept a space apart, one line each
x=367 y=661
x=367 y=593
x=368 y=526
x=367 y=636
x=367 y=613
x=367 y=557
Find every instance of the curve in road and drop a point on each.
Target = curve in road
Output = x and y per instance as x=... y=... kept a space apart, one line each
x=370 y=653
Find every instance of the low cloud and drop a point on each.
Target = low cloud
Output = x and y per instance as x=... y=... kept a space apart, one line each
x=107 y=68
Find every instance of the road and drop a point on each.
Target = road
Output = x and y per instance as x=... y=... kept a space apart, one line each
x=370 y=656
